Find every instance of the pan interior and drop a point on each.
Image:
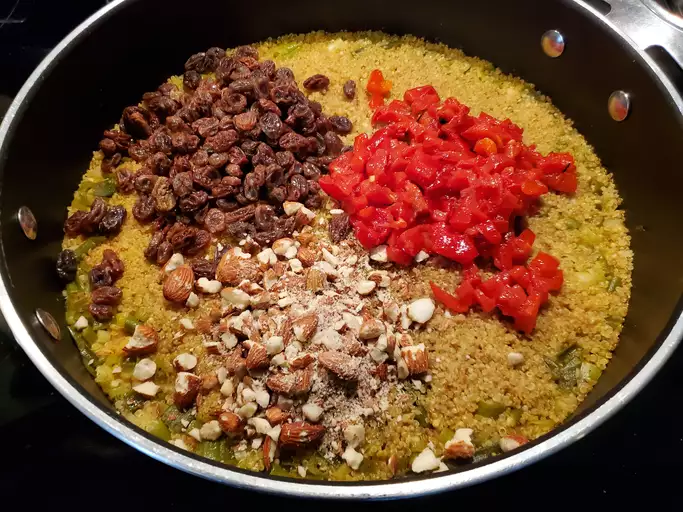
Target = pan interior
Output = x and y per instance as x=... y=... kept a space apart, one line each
x=138 y=44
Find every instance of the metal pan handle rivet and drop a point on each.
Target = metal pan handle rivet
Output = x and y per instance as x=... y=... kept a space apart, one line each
x=49 y=323
x=619 y=105
x=552 y=43
x=28 y=222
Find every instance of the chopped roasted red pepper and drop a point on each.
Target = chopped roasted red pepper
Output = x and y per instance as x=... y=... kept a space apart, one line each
x=378 y=88
x=435 y=179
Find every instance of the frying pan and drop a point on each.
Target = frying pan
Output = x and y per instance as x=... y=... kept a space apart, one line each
x=623 y=47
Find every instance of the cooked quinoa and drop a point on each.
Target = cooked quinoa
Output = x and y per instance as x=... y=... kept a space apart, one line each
x=473 y=383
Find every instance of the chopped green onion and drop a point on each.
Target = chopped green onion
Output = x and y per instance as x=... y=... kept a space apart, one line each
x=105 y=188
x=490 y=409
x=88 y=245
x=613 y=284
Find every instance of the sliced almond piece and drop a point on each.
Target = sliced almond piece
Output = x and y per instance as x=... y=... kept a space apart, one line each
x=460 y=446
x=312 y=412
x=211 y=430
x=302 y=361
x=232 y=270
x=342 y=365
x=379 y=254
x=305 y=326
x=416 y=358
x=291 y=207
x=269 y=450
x=315 y=280
x=371 y=328
x=257 y=356
x=306 y=256
x=282 y=245
x=421 y=310
x=275 y=415
x=511 y=442
x=179 y=284
x=144 y=369
x=147 y=389
x=366 y=287
x=187 y=387
x=209 y=286
x=300 y=433
x=381 y=277
x=230 y=423
x=291 y=384
x=144 y=341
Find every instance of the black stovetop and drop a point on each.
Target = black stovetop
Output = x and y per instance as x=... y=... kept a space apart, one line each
x=53 y=455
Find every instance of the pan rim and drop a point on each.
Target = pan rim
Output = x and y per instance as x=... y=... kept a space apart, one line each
x=168 y=454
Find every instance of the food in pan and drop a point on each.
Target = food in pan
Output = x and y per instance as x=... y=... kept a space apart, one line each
x=345 y=256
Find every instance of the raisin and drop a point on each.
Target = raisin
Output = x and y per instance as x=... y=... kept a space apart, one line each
x=227 y=206
x=144 y=181
x=184 y=142
x=333 y=144
x=350 y=89
x=218 y=159
x=240 y=229
x=341 y=124
x=135 y=122
x=162 y=194
x=191 y=79
x=111 y=260
x=197 y=62
x=101 y=312
x=283 y=75
x=339 y=227
x=182 y=184
x=264 y=155
x=164 y=253
x=203 y=268
x=109 y=163
x=241 y=214
x=92 y=219
x=106 y=295
x=278 y=195
x=176 y=124
x=153 y=246
x=292 y=142
x=297 y=188
x=100 y=275
x=200 y=242
x=251 y=187
x=246 y=51
x=245 y=121
x=271 y=125
x=121 y=139
x=67 y=265
x=214 y=221
x=222 y=141
x=236 y=156
x=161 y=141
x=311 y=171
x=234 y=170
x=194 y=201
x=163 y=106
x=160 y=163
x=227 y=187
x=206 y=126
x=206 y=176
x=265 y=105
x=124 y=181
x=264 y=217
x=316 y=82
x=285 y=93
x=112 y=220
x=225 y=67
x=139 y=151
x=143 y=209
x=108 y=147
x=200 y=158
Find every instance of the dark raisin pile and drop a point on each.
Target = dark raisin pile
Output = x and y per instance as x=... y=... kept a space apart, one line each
x=222 y=155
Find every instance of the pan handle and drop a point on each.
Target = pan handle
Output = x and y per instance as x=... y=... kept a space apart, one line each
x=649 y=24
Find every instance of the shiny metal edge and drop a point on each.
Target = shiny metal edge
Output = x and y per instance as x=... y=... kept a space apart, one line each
x=170 y=455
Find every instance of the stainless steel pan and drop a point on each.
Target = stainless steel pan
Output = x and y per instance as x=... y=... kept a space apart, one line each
x=626 y=50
